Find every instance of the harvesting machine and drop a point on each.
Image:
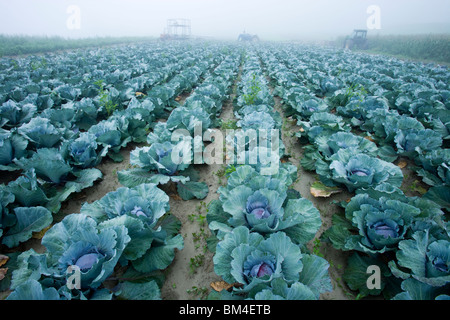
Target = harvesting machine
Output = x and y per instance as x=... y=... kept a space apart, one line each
x=248 y=37
x=357 y=40
x=177 y=29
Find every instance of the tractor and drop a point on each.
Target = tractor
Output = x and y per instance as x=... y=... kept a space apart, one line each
x=357 y=40
x=248 y=37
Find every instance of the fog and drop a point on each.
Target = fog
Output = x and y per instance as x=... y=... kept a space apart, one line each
x=223 y=19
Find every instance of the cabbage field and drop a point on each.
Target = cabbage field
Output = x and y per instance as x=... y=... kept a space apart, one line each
x=215 y=170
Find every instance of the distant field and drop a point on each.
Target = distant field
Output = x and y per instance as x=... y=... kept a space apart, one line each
x=435 y=48
x=18 y=45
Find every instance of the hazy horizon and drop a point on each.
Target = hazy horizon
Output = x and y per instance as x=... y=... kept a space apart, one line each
x=221 y=19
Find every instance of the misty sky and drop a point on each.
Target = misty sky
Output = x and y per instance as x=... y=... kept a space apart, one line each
x=270 y=19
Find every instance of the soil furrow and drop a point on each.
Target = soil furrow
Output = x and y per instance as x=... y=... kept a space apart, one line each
x=192 y=271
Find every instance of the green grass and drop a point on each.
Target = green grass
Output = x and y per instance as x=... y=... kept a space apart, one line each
x=426 y=48
x=416 y=47
x=22 y=45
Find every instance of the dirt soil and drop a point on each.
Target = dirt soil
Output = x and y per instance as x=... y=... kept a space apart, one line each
x=326 y=207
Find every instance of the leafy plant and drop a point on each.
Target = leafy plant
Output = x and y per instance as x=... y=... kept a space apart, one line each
x=35 y=65
x=156 y=165
x=196 y=262
x=83 y=151
x=258 y=264
x=424 y=258
x=12 y=146
x=229 y=124
x=130 y=225
x=41 y=133
x=262 y=204
x=358 y=171
x=104 y=98
x=95 y=252
x=253 y=90
x=198 y=291
x=13 y=115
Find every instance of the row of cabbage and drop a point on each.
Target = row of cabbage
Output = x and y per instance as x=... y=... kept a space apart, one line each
x=57 y=155
x=260 y=226
x=358 y=114
x=183 y=135
x=128 y=231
